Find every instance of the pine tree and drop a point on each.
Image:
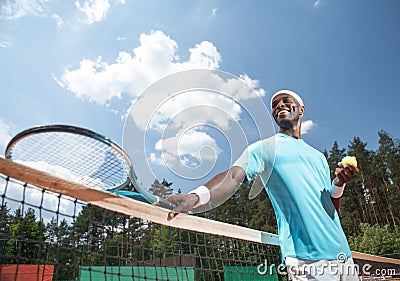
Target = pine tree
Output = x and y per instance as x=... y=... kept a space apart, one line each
x=354 y=203
x=335 y=155
x=388 y=157
x=26 y=238
x=162 y=189
x=5 y=221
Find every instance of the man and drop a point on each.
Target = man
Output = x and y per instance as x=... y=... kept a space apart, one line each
x=297 y=180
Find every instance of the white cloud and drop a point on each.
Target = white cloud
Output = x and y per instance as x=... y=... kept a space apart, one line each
x=316 y=3
x=5 y=134
x=193 y=108
x=306 y=126
x=214 y=12
x=156 y=160
x=194 y=98
x=243 y=91
x=55 y=170
x=99 y=81
x=166 y=113
x=194 y=141
x=204 y=55
x=92 y=10
x=190 y=143
x=16 y=9
x=59 y=21
x=70 y=174
x=5 y=44
x=89 y=11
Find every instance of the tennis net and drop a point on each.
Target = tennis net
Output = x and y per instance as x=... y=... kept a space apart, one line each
x=54 y=229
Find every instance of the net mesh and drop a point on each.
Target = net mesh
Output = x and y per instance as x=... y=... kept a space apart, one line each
x=50 y=236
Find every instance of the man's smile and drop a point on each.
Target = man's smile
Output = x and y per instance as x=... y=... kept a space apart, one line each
x=282 y=111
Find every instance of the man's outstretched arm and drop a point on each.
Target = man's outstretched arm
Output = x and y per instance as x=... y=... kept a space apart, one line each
x=219 y=187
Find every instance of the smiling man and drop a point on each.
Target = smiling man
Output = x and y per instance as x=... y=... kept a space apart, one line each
x=306 y=202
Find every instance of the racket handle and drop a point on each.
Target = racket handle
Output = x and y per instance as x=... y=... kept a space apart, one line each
x=164 y=203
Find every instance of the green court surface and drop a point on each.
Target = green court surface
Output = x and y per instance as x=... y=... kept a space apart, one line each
x=135 y=273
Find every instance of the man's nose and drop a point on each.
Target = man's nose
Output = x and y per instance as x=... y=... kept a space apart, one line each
x=279 y=104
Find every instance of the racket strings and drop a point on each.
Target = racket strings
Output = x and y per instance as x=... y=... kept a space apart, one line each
x=75 y=157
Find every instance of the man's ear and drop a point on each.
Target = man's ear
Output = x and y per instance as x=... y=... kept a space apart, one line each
x=302 y=109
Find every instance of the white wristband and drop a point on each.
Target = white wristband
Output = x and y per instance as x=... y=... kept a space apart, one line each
x=337 y=191
x=204 y=195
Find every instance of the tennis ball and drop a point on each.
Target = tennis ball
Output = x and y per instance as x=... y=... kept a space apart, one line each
x=350 y=160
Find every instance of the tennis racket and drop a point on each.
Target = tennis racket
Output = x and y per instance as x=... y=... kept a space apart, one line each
x=81 y=156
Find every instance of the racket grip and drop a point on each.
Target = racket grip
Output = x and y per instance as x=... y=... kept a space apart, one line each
x=164 y=203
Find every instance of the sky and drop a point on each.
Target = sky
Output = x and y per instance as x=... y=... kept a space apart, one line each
x=88 y=63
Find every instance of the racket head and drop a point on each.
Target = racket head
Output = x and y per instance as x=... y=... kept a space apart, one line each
x=73 y=153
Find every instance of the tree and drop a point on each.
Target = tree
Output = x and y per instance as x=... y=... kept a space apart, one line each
x=355 y=207
x=62 y=251
x=161 y=189
x=376 y=240
x=92 y=228
x=333 y=158
x=5 y=221
x=388 y=157
x=26 y=238
x=165 y=242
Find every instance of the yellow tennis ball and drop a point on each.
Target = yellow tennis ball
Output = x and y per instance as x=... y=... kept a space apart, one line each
x=350 y=160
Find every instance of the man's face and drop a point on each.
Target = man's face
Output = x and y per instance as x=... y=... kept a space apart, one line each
x=286 y=110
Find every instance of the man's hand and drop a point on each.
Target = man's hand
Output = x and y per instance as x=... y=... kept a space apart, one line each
x=344 y=173
x=183 y=202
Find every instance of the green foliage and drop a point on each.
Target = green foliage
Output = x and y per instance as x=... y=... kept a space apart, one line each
x=165 y=242
x=240 y=210
x=26 y=235
x=161 y=189
x=376 y=240
x=333 y=158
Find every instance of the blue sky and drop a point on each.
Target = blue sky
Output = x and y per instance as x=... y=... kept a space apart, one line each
x=82 y=63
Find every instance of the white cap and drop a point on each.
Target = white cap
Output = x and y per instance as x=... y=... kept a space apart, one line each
x=290 y=93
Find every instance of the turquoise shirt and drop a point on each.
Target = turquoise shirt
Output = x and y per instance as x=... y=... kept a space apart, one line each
x=297 y=179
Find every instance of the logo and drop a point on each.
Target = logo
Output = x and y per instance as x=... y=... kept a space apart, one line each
x=341 y=257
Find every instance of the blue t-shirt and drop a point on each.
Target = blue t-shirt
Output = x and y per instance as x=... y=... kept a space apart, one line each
x=297 y=179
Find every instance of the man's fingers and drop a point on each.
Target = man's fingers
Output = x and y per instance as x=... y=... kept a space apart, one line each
x=175 y=211
x=345 y=173
x=171 y=215
x=353 y=168
x=183 y=203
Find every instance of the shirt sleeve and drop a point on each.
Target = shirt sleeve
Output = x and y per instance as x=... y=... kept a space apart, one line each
x=251 y=160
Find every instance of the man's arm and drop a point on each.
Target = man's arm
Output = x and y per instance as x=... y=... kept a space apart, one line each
x=336 y=204
x=221 y=186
